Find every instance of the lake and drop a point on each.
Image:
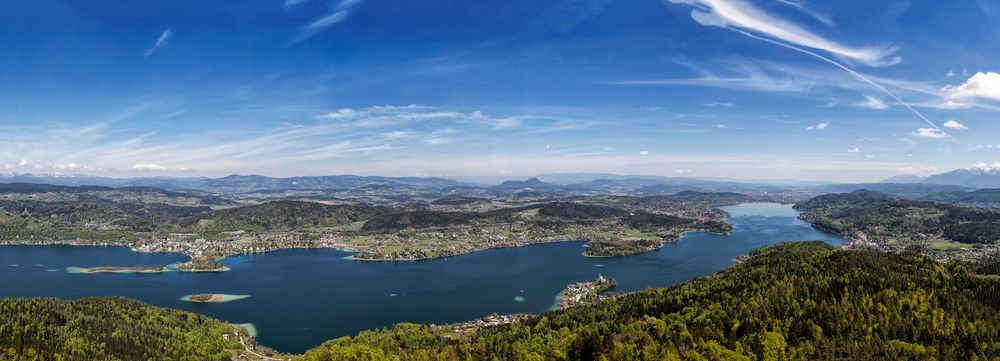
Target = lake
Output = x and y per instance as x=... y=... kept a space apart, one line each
x=302 y=297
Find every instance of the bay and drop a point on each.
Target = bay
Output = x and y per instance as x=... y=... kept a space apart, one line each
x=299 y=298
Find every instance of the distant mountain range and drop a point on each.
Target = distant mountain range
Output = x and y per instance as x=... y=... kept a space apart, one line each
x=535 y=186
x=979 y=177
x=549 y=185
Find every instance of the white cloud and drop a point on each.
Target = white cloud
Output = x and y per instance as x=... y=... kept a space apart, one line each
x=161 y=42
x=23 y=163
x=339 y=114
x=872 y=102
x=397 y=134
x=719 y=105
x=953 y=104
x=644 y=152
x=823 y=18
x=949 y=74
x=438 y=140
x=954 y=124
x=289 y=4
x=820 y=126
x=854 y=150
x=744 y=76
x=987 y=166
x=932 y=133
x=339 y=15
x=870 y=156
x=918 y=169
x=348 y=3
x=980 y=85
x=327 y=21
x=744 y=16
x=148 y=167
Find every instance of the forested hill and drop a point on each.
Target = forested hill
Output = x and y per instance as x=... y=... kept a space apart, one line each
x=282 y=216
x=144 y=195
x=109 y=329
x=882 y=218
x=789 y=301
x=978 y=198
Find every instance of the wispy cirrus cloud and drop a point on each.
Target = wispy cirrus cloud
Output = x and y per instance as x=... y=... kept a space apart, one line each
x=743 y=15
x=345 y=136
x=339 y=14
x=291 y=4
x=161 y=42
x=801 y=6
x=743 y=18
x=742 y=76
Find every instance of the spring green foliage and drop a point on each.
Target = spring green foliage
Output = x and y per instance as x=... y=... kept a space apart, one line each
x=548 y=214
x=108 y=329
x=96 y=220
x=283 y=216
x=790 y=301
x=881 y=217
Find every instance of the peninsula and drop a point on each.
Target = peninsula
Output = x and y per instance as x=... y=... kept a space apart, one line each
x=582 y=293
x=612 y=226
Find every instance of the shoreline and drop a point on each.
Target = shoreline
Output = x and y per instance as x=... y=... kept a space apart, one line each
x=351 y=257
x=662 y=244
x=212 y=298
x=582 y=293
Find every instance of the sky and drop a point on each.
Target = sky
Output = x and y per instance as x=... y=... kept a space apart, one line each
x=840 y=91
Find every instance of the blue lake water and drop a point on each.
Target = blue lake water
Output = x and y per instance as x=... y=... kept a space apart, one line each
x=300 y=298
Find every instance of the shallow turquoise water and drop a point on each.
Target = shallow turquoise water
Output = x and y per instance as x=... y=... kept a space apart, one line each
x=300 y=298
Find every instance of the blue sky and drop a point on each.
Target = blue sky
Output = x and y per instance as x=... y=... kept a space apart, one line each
x=784 y=89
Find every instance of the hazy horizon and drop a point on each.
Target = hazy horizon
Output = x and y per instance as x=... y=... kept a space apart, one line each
x=561 y=177
x=845 y=91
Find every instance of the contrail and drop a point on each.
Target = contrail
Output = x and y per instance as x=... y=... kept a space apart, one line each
x=852 y=72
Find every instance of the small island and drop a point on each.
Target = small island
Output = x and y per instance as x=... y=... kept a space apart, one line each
x=582 y=293
x=205 y=298
x=115 y=269
x=213 y=298
x=194 y=265
x=202 y=265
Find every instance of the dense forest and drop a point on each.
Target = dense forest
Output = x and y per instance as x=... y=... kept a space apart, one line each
x=546 y=214
x=882 y=217
x=789 y=301
x=281 y=216
x=109 y=329
x=978 y=198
